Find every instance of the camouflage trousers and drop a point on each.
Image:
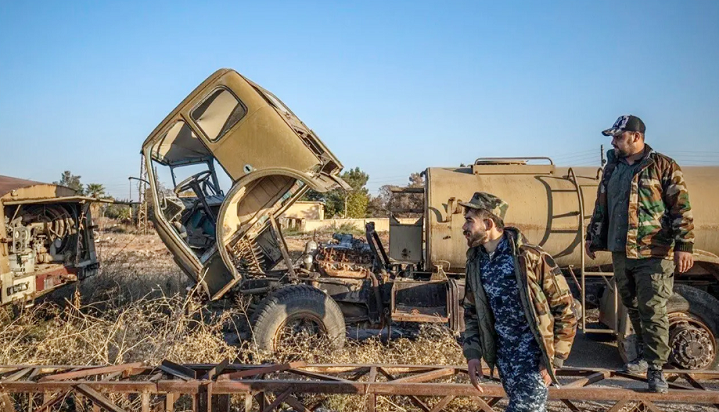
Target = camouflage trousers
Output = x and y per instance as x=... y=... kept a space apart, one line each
x=523 y=384
x=645 y=286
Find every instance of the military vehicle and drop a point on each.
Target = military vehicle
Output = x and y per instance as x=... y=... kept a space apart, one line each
x=46 y=239
x=552 y=206
x=231 y=130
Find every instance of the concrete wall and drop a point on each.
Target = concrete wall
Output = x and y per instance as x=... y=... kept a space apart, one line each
x=306 y=210
x=381 y=224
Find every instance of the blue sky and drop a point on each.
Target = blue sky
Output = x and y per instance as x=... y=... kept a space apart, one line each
x=391 y=87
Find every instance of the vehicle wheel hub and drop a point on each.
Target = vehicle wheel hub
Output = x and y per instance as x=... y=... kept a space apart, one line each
x=693 y=346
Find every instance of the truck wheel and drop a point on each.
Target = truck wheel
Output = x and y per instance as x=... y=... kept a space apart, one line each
x=297 y=313
x=693 y=330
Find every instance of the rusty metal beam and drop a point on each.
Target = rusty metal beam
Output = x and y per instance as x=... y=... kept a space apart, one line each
x=98 y=398
x=411 y=381
x=263 y=369
x=90 y=372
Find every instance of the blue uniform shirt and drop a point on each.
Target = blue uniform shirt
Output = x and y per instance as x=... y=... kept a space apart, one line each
x=514 y=338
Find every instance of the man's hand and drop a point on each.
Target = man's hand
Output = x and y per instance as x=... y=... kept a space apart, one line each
x=589 y=252
x=545 y=375
x=684 y=261
x=474 y=368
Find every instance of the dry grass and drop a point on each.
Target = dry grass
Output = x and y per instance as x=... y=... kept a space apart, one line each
x=138 y=308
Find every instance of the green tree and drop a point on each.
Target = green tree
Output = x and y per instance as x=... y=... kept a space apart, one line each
x=355 y=200
x=121 y=212
x=72 y=181
x=380 y=205
x=95 y=190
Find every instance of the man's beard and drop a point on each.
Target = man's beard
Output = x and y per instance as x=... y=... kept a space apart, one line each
x=476 y=239
x=619 y=152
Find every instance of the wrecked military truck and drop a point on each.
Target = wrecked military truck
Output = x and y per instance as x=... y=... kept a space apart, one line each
x=230 y=243
x=46 y=239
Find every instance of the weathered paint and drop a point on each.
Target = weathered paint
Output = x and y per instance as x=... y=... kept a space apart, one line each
x=544 y=204
x=18 y=193
x=266 y=152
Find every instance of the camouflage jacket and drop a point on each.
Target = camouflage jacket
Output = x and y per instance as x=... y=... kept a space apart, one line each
x=545 y=297
x=659 y=211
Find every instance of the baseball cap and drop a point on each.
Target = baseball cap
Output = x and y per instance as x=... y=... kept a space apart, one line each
x=626 y=123
x=488 y=202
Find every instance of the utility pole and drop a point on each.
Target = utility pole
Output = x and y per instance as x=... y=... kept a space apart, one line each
x=141 y=198
x=601 y=155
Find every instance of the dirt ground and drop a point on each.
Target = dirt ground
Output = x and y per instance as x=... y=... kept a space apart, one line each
x=146 y=263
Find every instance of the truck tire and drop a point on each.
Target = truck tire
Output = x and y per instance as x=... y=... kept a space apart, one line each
x=693 y=330
x=297 y=312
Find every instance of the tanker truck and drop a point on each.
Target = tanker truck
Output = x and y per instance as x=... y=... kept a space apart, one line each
x=552 y=206
x=228 y=240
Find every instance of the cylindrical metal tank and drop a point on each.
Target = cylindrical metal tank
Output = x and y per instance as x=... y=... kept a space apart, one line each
x=544 y=203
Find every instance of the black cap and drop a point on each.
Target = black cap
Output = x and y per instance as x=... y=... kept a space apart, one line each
x=626 y=123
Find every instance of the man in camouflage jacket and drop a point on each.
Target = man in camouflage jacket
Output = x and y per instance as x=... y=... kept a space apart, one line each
x=643 y=216
x=518 y=309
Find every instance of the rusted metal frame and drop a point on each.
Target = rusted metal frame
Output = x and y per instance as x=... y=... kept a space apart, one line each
x=105 y=386
x=371 y=397
x=261 y=370
x=358 y=374
x=483 y=405
x=637 y=378
x=111 y=376
x=415 y=400
x=47 y=405
x=694 y=383
x=349 y=387
x=15 y=376
x=296 y=404
x=390 y=368
x=217 y=370
x=90 y=372
x=145 y=402
x=317 y=375
x=279 y=400
x=439 y=389
x=591 y=379
x=619 y=405
x=572 y=407
x=439 y=406
x=98 y=398
x=170 y=399
x=427 y=376
x=178 y=371
x=651 y=406
x=261 y=399
x=7 y=403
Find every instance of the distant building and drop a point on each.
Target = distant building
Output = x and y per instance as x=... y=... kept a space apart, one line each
x=302 y=210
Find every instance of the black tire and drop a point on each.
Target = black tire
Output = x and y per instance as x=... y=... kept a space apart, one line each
x=699 y=308
x=692 y=306
x=303 y=305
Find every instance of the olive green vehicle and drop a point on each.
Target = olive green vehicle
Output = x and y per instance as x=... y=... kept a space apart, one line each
x=46 y=239
x=229 y=242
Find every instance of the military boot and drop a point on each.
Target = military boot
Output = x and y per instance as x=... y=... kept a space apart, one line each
x=656 y=381
x=638 y=365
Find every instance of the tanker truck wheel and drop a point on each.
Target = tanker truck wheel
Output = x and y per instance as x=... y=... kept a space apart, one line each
x=693 y=330
x=298 y=315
